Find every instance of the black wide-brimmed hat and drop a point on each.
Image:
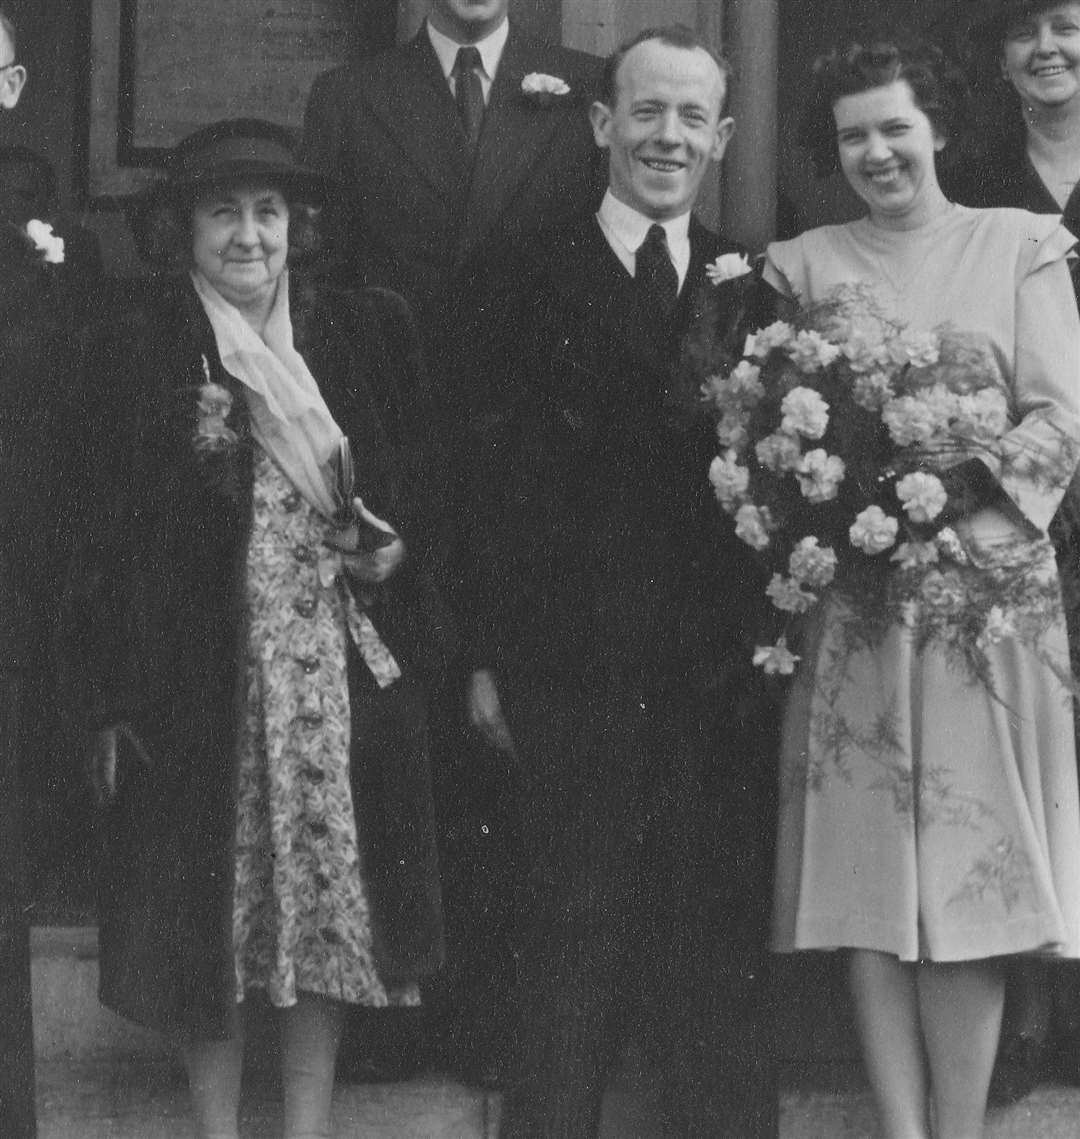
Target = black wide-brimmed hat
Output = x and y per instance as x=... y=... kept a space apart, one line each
x=212 y=158
x=235 y=150
x=988 y=20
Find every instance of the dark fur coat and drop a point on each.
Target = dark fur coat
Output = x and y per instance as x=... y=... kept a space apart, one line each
x=153 y=634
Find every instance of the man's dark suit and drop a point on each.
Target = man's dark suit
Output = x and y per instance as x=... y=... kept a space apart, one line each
x=614 y=600
x=36 y=354
x=428 y=217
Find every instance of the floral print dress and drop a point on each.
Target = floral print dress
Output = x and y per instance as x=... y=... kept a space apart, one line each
x=301 y=915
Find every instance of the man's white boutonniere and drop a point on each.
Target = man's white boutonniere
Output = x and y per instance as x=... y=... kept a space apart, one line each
x=544 y=89
x=728 y=267
x=45 y=241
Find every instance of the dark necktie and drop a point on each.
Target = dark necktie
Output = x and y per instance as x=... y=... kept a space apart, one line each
x=468 y=93
x=654 y=270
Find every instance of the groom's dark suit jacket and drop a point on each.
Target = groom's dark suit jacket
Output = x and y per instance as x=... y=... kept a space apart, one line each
x=611 y=556
x=425 y=213
x=613 y=601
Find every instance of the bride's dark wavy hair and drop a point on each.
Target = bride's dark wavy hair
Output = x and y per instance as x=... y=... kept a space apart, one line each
x=877 y=60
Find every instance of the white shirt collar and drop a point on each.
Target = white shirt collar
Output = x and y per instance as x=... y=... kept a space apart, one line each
x=490 y=49
x=625 y=229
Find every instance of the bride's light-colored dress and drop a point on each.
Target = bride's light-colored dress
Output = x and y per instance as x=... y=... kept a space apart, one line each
x=924 y=813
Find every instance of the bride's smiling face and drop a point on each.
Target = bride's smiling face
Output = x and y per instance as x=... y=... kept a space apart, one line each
x=887 y=147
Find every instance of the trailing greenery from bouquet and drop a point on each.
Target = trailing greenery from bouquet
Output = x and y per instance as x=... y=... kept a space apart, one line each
x=841 y=432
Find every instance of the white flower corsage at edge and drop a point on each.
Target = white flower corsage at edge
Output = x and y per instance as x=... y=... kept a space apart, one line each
x=45 y=241
x=544 y=89
x=727 y=267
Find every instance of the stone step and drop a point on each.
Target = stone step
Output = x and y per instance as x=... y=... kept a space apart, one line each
x=100 y=1077
x=118 y=1099
x=69 y=1021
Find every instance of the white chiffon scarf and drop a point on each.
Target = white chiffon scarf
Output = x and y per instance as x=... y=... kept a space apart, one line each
x=289 y=418
x=291 y=422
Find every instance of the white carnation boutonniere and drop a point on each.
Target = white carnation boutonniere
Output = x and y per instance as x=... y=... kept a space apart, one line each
x=728 y=267
x=45 y=241
x=544 y=89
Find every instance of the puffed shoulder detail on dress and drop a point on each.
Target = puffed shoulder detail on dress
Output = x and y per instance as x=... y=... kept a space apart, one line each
x=1055 y=243
x=785 y=261
x=1037 y=239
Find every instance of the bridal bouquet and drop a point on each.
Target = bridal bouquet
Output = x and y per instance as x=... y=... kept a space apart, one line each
x=844 y=437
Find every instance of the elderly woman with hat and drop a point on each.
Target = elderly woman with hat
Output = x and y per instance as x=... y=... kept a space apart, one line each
x=251 y=618
x=1024 y=56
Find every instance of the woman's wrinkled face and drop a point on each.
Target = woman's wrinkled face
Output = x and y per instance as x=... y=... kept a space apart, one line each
x=240 y=241
x=1041 y=55
x=887 y=147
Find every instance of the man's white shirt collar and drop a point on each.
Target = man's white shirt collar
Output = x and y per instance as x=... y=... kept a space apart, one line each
x=625 y=229
x=490 y=49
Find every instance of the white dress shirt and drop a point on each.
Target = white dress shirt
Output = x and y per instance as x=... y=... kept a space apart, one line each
x=625 y=229
x=490 y=49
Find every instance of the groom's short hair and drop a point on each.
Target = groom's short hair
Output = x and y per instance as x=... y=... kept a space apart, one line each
x=673 y=35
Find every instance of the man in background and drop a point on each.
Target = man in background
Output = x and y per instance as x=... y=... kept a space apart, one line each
x=451 y=150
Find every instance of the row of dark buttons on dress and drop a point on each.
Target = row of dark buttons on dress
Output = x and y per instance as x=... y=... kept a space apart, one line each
x=305 y=606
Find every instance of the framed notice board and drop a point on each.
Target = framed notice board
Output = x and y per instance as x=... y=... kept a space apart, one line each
x=162 y=68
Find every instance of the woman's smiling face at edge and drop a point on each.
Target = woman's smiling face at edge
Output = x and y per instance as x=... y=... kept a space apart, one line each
x=1041 y=56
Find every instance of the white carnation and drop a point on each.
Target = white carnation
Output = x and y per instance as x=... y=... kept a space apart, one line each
x=820 y=475
x=536 y=83
x=788 y=595
x=873 y=531
x=915 y=555
x=729 y=479
x=41 y=234
x=777 y=335
x=775 y=658
x=731 y=430
x=812 y=564
x=727 y=267
x=911 y=421
x=811 y=351
x=804 y=413
x=922 y=496
x=982 y=415
x=779 y=452
x=751 y=525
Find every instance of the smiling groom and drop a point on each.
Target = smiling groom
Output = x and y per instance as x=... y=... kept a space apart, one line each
x=611 y=601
